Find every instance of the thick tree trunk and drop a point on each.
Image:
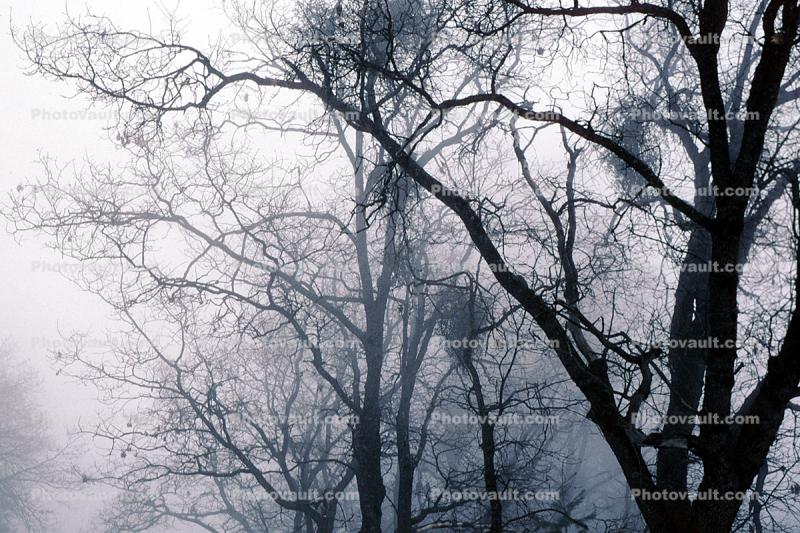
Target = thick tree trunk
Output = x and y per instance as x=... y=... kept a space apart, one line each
x=490 y=476
x=328 y=521
x=367 y=454
x=687 y=367
x=488 y=447
x=405 y=465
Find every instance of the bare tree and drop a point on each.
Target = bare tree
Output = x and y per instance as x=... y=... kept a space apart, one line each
x=32 y=469
x=576 y=252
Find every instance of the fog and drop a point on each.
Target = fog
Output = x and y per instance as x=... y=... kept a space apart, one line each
x=404 y=266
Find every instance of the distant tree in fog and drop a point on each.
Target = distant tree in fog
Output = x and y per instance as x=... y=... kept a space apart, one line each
x=30 y=466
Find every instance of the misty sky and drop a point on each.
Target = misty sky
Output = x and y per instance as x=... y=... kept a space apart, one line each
x=38 y=302
x=40 y=305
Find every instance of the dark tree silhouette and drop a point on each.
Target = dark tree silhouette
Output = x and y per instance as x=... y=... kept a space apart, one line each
x=660 y=266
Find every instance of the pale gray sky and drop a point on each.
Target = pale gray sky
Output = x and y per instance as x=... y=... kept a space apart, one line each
x=38 y=303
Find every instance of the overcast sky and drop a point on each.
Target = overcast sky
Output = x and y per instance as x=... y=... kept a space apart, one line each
x=37 y=302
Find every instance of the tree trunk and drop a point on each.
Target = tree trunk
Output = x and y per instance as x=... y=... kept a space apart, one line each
x=487 y=447
x=490 y=476
x=405 y=463
x=687 y=367
x=367 y=455
x=367 y=432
